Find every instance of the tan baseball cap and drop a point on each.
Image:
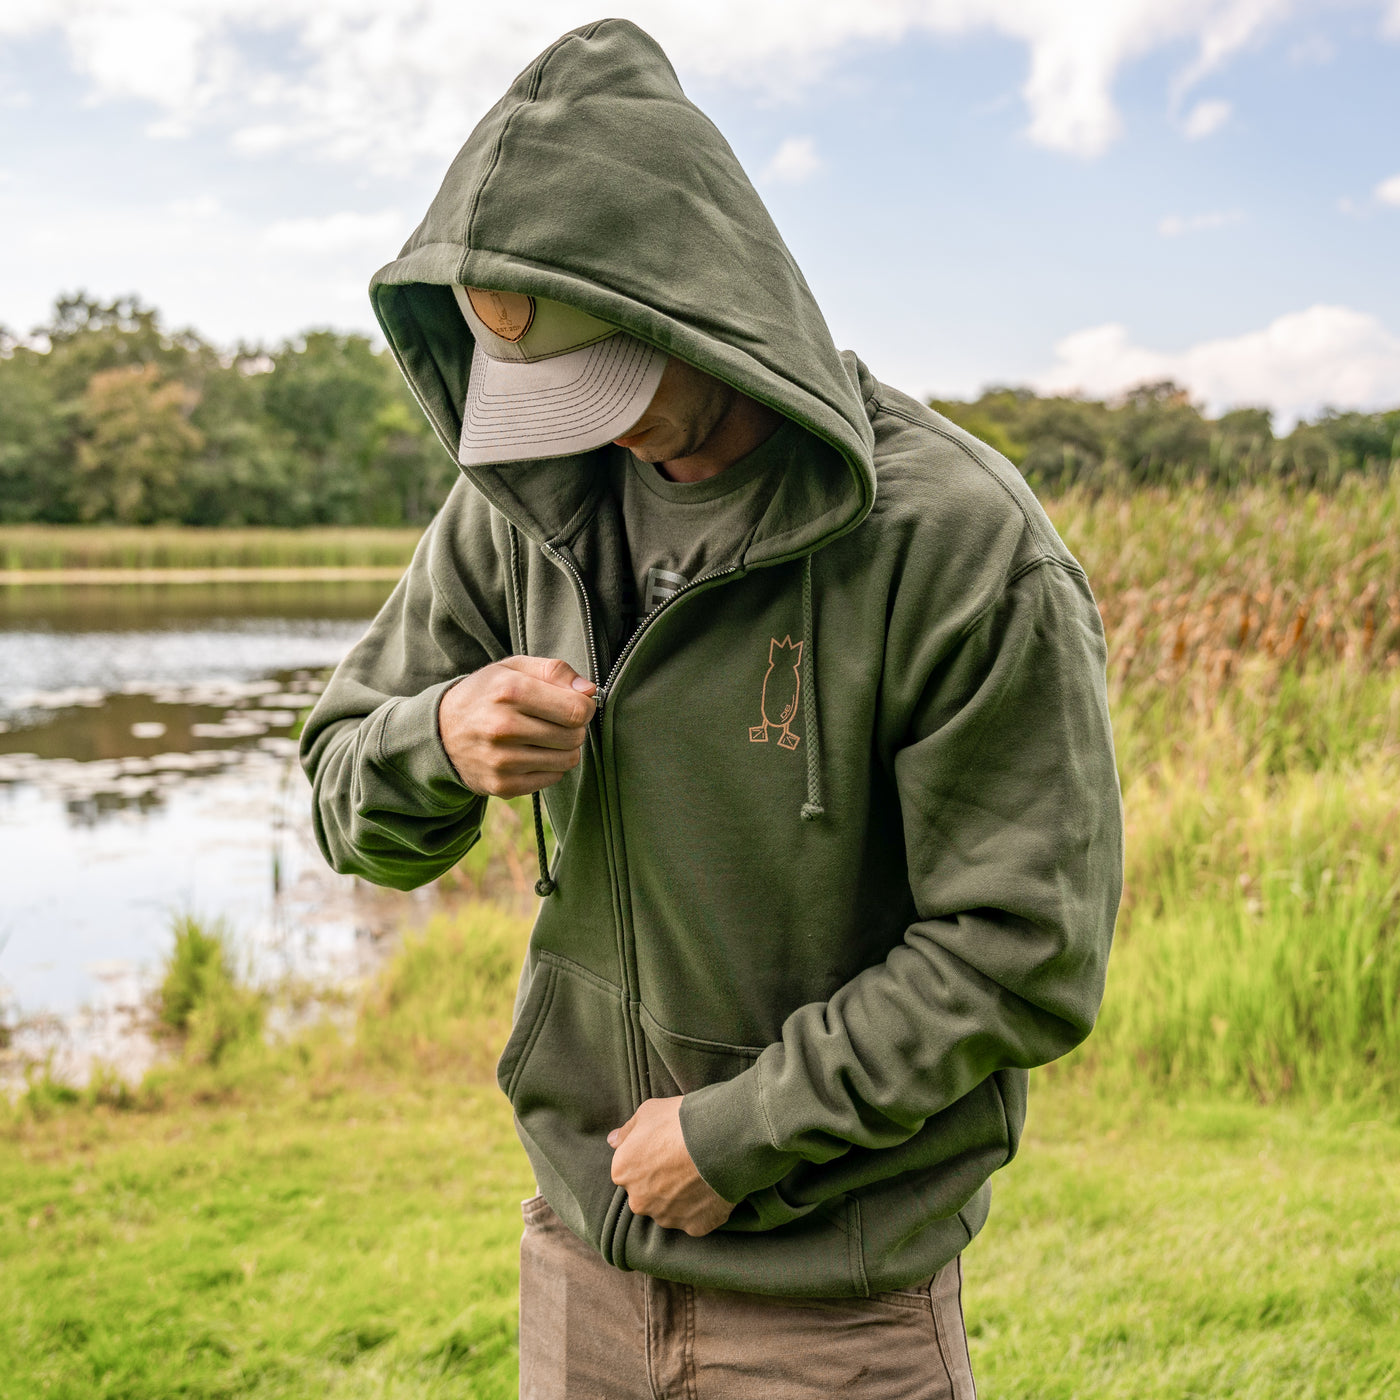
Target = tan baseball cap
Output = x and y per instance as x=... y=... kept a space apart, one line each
x=547 y=379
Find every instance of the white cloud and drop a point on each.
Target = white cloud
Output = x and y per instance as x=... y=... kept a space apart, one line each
x=794 y=161
x=1388 y=191
x=263 y=140
x=1174 y=225
x=337 y=232
x=397 y=81
x=216 y=273
x=1206 y=117
x=203 y=206
x=1297 y=364
x=1231 y=27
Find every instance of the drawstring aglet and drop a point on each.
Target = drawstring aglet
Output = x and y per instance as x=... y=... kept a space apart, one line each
x=544 y=886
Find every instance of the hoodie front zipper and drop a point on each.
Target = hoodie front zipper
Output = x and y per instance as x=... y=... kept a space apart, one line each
x=630 y=645
x=567 y=564
x=606 y=683
x=614 y=1239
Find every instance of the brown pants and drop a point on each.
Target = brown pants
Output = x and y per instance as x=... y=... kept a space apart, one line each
x=589 y=1331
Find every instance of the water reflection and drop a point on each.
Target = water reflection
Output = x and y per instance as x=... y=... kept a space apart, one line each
x=147 y=768
x=132 y=607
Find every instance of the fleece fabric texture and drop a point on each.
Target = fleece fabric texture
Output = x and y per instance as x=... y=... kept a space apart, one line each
x=848 y=1003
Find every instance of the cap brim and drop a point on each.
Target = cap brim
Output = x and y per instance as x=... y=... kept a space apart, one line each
x=556 y=407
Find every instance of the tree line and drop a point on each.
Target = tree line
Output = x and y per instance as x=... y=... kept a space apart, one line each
x=107 y=416
x=1154 y=435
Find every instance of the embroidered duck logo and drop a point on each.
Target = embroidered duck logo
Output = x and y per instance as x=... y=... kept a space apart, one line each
x=782 y=684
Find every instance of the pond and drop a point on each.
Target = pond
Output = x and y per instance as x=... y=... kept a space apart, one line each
x=147 y=770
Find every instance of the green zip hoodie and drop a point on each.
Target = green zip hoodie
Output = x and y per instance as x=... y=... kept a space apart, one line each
x=844 y=853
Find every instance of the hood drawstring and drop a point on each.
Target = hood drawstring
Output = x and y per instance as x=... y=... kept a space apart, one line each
x=544 y=886
x=812 y=808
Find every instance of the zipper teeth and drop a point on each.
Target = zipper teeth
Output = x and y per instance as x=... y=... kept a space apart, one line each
x=649 y=619
x=587 y=609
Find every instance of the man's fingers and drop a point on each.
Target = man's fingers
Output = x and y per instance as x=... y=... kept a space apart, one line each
x=510 y=729
x=513 y=761
x=529 y=695
x=619 y=1135
x=552 y=671
x=521 y=784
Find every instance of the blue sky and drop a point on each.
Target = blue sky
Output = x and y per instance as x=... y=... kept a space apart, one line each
x=1072 y=195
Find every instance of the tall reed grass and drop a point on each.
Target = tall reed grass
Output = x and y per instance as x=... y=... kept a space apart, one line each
x=186 y=547
x=1254 y=674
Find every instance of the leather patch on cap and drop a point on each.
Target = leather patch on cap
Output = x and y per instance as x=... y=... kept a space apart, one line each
x=506 y=314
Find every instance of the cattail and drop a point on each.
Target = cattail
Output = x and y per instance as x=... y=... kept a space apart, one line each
x=1295 y=633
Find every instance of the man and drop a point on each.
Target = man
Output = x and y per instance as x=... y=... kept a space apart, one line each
x=815 y=696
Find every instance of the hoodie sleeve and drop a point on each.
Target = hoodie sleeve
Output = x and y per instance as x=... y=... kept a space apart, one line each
x=1013 y=833
x=387 y=803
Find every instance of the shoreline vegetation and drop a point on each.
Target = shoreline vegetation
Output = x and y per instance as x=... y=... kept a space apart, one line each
x=1206 y=1200
x=184 y=553
x=335 y=1212
x=16 y=578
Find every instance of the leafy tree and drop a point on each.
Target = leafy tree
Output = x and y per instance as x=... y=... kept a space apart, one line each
x=326 y=396
x=86 y=336
x=1159 y=435
x=136 y=447
x=1364 y=442
x=1070 y=440
x=37 y=432
x=1242 y=446
x=249 y=472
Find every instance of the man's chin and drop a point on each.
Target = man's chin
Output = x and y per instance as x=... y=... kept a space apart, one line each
x=652 y=446
x=632 y=440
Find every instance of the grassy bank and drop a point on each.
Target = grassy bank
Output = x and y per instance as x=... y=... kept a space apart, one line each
x=340 y=1219
x=74 y=548
x=1206 y=1203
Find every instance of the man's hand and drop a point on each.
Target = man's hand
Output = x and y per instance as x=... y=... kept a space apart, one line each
x=516 y=725
x=650 y=1159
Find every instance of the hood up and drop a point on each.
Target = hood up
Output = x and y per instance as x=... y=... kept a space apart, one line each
x=595 y=182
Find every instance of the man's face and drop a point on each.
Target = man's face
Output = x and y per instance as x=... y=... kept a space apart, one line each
x=684 y=411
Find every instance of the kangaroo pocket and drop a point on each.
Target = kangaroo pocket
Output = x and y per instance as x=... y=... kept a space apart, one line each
x=865 y=1222
x=565 y=1071
x=680 y=1064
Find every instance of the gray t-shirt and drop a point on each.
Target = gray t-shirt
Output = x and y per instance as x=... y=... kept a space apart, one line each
x=679 y=531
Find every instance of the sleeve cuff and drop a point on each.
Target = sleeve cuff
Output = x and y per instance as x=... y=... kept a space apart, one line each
x=410 y=743
x=726 y=1133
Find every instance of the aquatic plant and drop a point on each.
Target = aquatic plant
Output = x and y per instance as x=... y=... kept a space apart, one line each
x=200 y=999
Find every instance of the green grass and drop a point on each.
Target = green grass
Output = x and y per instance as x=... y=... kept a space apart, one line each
x=351 y=1241
x=338 y=1216
x=186 y=547
x=357 y=1236
x=1150 y=1250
